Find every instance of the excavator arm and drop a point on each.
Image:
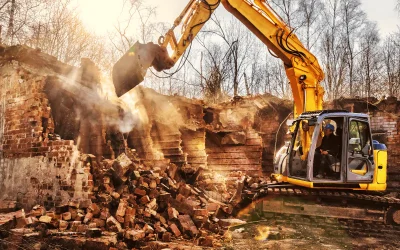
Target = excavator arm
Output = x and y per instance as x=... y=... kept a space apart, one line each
x=302 y=68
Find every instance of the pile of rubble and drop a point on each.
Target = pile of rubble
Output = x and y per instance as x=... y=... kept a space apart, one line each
x=138 y=204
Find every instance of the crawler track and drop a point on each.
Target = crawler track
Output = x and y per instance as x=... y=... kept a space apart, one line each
x=292 y=190
x=331 y=227
x=356 y=211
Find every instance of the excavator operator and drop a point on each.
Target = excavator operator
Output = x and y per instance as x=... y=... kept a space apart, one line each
x=326 y=154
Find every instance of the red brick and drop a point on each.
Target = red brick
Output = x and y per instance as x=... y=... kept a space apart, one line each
x=187 y=225
x=175 y=230
x=140 y=191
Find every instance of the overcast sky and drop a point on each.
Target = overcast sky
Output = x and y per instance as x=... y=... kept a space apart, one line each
x=382 y=12
x=101 y=18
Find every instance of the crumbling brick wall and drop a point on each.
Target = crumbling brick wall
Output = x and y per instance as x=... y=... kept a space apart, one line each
x=36 y=167
x=51 y=113
x=238 y=135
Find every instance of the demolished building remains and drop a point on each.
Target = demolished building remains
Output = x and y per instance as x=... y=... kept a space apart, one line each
x=78 y=160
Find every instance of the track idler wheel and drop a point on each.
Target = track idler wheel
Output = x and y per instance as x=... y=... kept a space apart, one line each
x=393 y=216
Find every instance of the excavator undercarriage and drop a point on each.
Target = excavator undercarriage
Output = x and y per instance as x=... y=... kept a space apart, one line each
x=360 y=212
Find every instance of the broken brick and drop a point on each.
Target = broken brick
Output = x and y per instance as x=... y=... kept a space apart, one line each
x=94 y=208
x=201 y=212
x=113 y=224
x=175 y=230
x=104 y=214
x=88 y=217
x=121 y=209
x=154 y=193
x=115 y=195
x=153 y=184
x=84 y=203
x=206 y=241
x=66 y=216
x=63 y=225
x=185 y=190
x=166 y=237
x=148 y=229
x=182 y=207
x=134 y=235
x=92 y=225
x=145 y=199
x=93 y=232
x=75 y=225
x=31 y=220
x=152 y=204
x=123 y=164
x=99 y=222
x=45 y=219
x=140 y=191
x=172 y=213
x=213 y=207
x=73 y=204
x=187 y=225
x=61 y=209
x=172 y=168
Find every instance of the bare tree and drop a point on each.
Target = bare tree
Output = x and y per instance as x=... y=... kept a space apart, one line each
x=136 y=14
x=10 y=28
x=287 y=9
x=310 y=12
x=370 y=61
x=216 y=70
x=333 y=49
x=353 y=19
x=17 y=16
x=238 y=42
x=391 y=64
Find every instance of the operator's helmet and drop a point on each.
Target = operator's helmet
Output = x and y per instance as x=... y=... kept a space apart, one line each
x=330 y=126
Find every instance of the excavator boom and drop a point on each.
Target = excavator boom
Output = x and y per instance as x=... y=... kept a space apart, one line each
x=302 y=68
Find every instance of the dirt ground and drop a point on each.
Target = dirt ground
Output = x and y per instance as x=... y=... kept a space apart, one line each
x=302 y=237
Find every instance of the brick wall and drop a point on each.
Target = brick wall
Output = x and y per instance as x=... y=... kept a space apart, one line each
x=187 y=132
x=35 y=166
x=385 y=128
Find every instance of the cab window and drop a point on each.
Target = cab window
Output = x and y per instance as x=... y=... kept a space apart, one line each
x=359 y=147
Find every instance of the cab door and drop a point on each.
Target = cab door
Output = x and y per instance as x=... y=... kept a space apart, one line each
x=360 y=161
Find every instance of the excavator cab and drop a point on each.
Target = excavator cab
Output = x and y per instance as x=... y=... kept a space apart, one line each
x=347 y=161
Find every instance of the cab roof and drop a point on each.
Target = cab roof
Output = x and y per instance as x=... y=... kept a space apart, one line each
x=336 y=112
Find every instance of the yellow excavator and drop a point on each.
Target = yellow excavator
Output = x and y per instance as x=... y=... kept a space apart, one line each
x=357 y=164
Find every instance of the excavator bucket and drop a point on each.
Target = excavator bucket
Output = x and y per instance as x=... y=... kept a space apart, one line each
x=131 y=68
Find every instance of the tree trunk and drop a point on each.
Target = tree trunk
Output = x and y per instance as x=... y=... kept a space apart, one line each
x=10 y=31
x=246 y=84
